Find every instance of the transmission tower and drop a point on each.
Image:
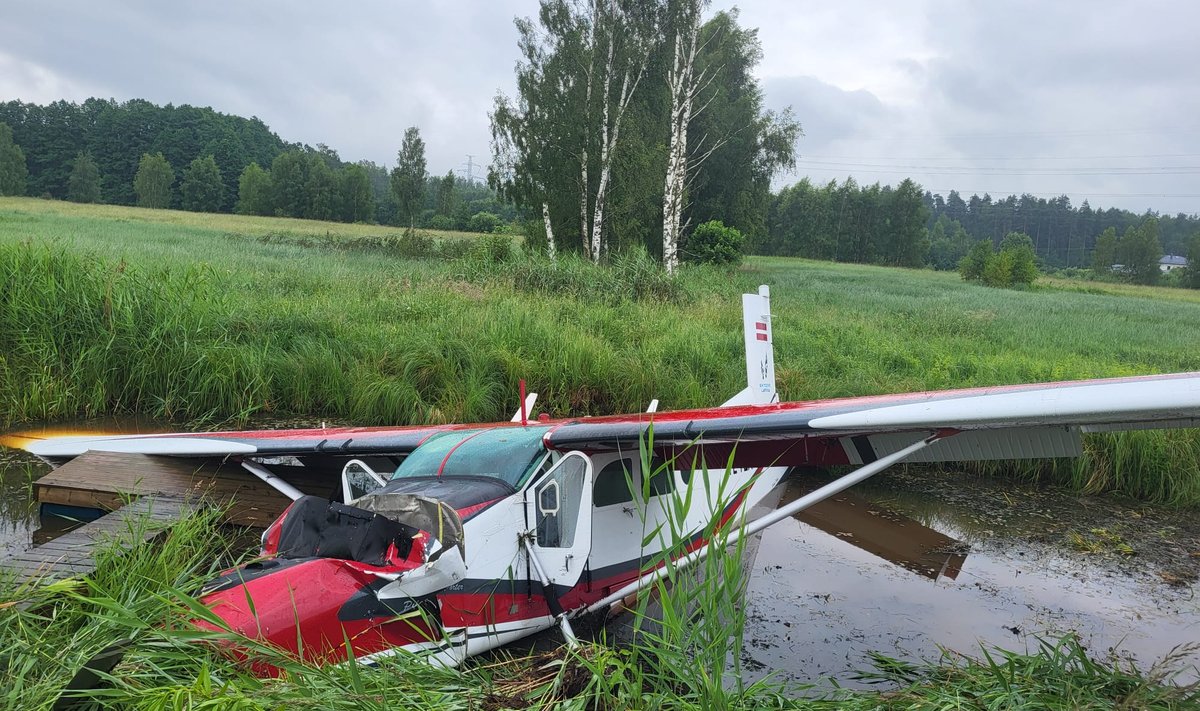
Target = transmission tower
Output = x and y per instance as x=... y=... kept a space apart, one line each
x=470 y=169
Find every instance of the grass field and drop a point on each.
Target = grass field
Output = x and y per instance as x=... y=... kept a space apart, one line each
x=23 y=208
x=217 y=318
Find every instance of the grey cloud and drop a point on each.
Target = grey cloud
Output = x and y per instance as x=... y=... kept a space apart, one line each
x=934 y=80
x=827 y=113
x=352 y=76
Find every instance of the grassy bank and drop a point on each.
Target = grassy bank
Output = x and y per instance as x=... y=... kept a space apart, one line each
x=140 y=598
x=215 y=317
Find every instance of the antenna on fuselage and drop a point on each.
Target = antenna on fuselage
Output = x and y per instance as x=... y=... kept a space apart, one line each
x=526 y=407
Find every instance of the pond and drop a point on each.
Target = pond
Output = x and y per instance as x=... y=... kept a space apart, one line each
x=1004 y=564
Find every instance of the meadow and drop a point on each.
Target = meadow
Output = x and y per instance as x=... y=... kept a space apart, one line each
x=214 y=319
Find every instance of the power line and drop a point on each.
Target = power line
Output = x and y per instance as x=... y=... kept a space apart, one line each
x=1064 y=132
x=1002 y=158
x=1068 y=193
x=955 y=170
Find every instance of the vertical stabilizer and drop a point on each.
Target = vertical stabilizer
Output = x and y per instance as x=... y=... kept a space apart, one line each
x=760 y=356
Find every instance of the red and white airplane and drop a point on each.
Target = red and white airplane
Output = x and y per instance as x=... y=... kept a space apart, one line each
x=456 y=539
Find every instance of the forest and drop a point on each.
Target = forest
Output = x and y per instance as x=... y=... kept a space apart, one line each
x=138 y=153
x=907 y=226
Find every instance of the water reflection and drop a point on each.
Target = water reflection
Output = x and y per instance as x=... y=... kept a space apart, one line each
x=18 y=510
x=891 y=536
x=818 y=603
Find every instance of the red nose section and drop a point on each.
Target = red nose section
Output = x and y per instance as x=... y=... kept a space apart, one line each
x=319 y=610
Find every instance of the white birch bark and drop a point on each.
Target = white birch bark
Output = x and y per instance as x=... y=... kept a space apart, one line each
x=684 y=84
x=587 y=120
x=635 y=60
x=606 y=100
x=550 y=250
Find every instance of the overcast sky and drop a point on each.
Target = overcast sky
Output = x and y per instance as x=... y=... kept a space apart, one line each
x=1094 y=99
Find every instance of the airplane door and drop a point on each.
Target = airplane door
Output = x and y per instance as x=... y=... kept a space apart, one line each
x=560 y=506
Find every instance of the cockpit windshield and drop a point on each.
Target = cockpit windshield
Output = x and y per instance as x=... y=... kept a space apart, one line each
x=507 y=453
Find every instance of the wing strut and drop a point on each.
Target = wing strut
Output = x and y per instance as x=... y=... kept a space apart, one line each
x=832 y=488
x=271 y=478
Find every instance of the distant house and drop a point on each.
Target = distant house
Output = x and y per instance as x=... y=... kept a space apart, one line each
x=1170 y=262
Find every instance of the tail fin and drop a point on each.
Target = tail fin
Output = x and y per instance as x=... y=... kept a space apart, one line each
x=760 y=356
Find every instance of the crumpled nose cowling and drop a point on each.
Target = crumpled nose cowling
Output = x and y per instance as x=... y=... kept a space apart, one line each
x=320 y=590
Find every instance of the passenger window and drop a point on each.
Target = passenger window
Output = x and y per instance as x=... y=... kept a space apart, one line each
x=662 y=477
x=612 y=483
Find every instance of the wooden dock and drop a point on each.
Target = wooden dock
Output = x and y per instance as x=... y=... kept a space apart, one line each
x=159 y=488
x=74 y=553
x=106 y=480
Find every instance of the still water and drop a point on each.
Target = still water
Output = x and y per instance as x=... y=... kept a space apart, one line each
x=911 y=563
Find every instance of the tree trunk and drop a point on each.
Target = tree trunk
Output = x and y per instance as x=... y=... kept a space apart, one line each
x=587 y=121
x=636 y=60
x=550 y=250
x=605 y=147
x=683 y=84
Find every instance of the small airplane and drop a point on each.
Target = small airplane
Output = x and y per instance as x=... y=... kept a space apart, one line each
x=451 y=540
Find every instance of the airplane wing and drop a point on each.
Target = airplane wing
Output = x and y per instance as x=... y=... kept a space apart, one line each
x=1004 y=422
x=257 y=443
x=1008 y=422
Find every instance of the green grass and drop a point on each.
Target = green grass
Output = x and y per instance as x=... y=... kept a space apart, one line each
x=216 y=318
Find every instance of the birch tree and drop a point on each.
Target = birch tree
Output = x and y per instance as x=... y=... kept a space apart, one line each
x=12 y=164
x=636 y=28
x=684 y=84
x=742 y=144
x=536 y=137
x=153 y=180
x=583 y=61
x=618 y=100
x=409 y=176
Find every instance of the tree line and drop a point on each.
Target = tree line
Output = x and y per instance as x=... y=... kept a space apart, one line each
x=137 y=153
x=112 y=136
x=908 y=226
x=1063 y=235
x=848 y=223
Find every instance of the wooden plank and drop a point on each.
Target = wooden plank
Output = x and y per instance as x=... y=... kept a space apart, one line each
x=73 y=553
x=106 y=480
x=158 y=488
